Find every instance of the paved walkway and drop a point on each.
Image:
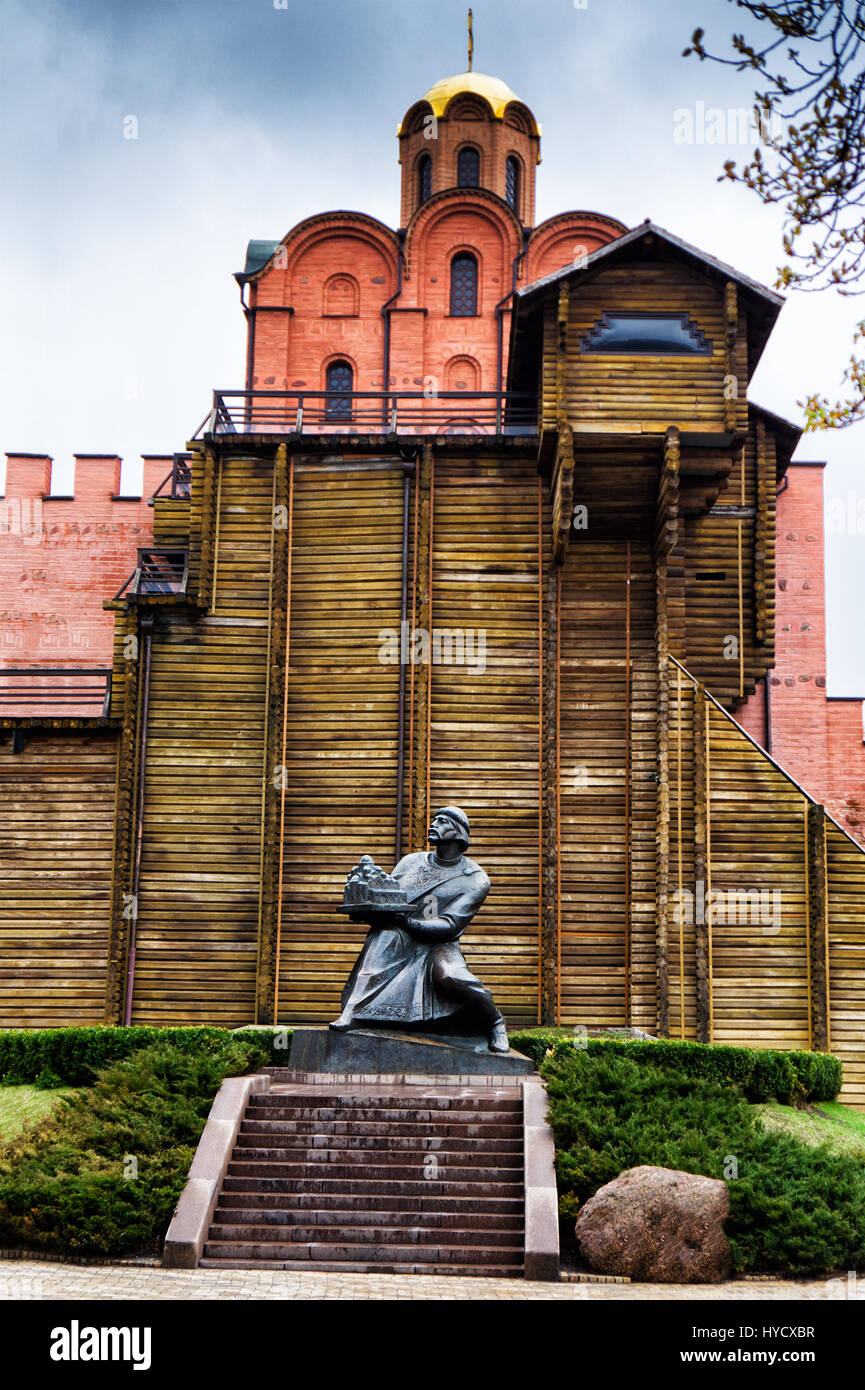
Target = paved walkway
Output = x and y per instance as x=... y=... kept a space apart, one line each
x=29 y=1279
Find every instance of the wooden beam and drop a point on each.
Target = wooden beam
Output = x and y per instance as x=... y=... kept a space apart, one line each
x=274 y=769
x=662 y=827
x=701 y=851
x=122 y=906
x=732 y=385
x=562 y=313
x=563 y=492
x=422 y=712
x=551 y=929
x=763 y=599
x=818 y=929
x=208 y=530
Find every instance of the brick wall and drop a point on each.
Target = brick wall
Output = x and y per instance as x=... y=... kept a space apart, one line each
x=817 y=739
x=59 y=558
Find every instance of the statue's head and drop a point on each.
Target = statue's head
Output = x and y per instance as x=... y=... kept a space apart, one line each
x=450 y=823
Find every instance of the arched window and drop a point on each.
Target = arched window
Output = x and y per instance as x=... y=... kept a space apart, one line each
x=424 y=178
x=464 y=286
x=339 y=377
x=468 y=167
x=512 y=183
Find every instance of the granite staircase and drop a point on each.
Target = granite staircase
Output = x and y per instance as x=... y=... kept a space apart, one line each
x=382 y=1178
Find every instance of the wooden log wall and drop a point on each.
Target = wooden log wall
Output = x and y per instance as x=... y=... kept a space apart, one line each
x=485 y=716
x=774 y=890
x=608 y=953
x=56 y=845
x=730 y=576
x=845 y=947
x=342 y=715
x=198 y=905
x=634 y=393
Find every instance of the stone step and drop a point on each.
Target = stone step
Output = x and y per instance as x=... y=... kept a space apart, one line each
x=363 y=1235
x=363 y=1151
x=416 y=1081
x=360 y=1165
x=379 y=1216
x=298 y=1100
x=488 y=1125
x=341 y=1203
x=326 y=1253
x=432 y=1268
x=422 y=1142
x=372 y=1185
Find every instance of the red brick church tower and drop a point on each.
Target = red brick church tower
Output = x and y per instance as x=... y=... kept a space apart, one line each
x=344 y=303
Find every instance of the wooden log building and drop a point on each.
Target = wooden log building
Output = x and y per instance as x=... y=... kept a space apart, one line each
x=492 y=523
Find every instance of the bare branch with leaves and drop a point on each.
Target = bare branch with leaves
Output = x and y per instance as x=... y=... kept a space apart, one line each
x=811 y=110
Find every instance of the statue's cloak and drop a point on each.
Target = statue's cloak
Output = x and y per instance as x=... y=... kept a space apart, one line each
x=392 y=980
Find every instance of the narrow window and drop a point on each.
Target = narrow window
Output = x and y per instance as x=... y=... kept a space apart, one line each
x=512 y=183
x=641 y=332
x=339 y=378
x=424 y=178
x=468 y=167
x=464 y=286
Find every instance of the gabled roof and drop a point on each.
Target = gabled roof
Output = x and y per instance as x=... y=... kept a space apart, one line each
x=649 y=228
x=763 y=304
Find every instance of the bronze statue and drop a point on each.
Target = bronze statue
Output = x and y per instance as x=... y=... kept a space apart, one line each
x=411 y=969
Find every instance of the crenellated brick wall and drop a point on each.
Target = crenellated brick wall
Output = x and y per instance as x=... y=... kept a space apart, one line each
x=60 y=556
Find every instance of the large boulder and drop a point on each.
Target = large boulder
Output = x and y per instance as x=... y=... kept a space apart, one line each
x=657 y=1224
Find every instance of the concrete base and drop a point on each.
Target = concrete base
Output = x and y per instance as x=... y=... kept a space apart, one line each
x=366 y=1050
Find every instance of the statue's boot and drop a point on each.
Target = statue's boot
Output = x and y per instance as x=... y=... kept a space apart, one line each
x=499 y=1037
x=341 y=1024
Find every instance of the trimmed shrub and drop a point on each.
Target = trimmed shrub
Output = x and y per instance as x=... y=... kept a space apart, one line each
x=52 y=1057
x=103 y=1175
x=760 y=1073
x=793 y=1208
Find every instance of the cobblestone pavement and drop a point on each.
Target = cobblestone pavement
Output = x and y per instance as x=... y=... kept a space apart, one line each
x=25 y=1279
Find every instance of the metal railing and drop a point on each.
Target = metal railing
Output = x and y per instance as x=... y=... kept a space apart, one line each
x=31 y=687
x=159 y=571
x=177 y=483
x=372 y=412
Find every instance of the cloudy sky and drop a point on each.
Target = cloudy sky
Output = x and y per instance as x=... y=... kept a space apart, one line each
x=116 y=254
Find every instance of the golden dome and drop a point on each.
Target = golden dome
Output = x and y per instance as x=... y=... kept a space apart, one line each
x=492 y=89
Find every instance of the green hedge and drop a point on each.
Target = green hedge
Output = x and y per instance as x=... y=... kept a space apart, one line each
x=103 y=1174
x=793 y=1208
x=761 y=1073
x=72 y=1056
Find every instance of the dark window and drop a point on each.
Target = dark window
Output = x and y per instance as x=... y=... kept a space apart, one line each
x=424 y=178
x=660 y=334
x=468 y=167
x=339 y=378
x=512 y=183
x=464 y=286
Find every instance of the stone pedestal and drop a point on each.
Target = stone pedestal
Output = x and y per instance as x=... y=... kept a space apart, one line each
x=367 y=1050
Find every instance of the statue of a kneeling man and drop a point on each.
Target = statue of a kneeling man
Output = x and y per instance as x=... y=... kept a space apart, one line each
x=411 y=969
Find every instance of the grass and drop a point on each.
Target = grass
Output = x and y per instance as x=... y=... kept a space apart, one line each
x=101 y=1174
x=830 y=1123
x=23 y=1105
x=797 y=1204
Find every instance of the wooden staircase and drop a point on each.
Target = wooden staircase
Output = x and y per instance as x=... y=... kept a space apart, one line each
x=375 y=1178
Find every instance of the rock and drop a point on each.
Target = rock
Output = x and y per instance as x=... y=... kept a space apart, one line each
x=659 y=1225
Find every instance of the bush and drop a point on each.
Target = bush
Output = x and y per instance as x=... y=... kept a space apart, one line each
x=793 y=1209
x=103 y=1175
x=51 y=1057
x=761 y=1073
